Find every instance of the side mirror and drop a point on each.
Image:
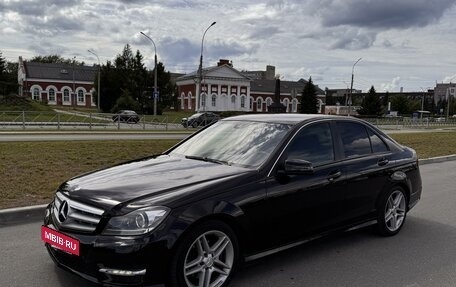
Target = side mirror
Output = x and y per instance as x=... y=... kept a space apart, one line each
x=298 y=166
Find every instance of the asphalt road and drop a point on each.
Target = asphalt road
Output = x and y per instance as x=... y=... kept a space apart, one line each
x=422 y=254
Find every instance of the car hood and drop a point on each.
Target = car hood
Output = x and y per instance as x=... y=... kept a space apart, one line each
x=146 y=178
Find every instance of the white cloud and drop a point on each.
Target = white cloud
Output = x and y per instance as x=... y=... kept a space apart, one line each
x=320 y=38
x=449 y=79
x=391 y=86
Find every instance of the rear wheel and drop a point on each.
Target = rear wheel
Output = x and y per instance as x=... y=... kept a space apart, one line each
x=392 y=212
x=206 y=256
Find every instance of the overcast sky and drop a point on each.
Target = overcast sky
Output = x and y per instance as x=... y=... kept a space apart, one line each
x=402 y=43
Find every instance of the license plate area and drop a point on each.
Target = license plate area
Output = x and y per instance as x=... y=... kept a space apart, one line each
x=60 y=241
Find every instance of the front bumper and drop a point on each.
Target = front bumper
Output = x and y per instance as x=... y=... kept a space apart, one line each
x=114 y=260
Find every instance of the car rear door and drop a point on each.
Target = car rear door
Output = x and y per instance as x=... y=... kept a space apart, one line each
x=366 y=168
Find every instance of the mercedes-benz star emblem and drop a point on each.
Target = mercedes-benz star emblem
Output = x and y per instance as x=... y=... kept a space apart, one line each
x=63 y=211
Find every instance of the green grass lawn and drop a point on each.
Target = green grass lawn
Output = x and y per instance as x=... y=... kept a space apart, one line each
x=31 y=171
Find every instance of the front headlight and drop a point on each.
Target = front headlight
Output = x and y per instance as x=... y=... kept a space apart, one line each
x=137 y=222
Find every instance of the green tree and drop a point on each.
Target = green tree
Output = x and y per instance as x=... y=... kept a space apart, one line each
x=371 y=104
x=55 y=59
x=126 y=75
x=125 y=102
x=404 y=105
x=2 y=67
x=8 y=77
x=309 y=99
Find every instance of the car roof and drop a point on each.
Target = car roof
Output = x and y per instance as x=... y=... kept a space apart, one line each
x=284 y=118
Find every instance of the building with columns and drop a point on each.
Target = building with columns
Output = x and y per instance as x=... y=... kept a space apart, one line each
x=58 y=84
x=224 y=88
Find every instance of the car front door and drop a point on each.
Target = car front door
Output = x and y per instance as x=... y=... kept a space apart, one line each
x=303 y=204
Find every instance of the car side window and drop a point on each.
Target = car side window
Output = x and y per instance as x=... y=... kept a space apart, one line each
x=378 y=145
x=354 y=138
x=313 y=143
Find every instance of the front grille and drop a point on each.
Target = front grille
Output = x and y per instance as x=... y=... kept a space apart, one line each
x=72 y=215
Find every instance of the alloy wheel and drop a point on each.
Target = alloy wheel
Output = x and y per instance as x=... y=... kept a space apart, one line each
x=395 y=210
x=209 y=260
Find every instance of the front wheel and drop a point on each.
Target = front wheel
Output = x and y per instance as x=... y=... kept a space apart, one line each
x=206 y=256
x=392 y=212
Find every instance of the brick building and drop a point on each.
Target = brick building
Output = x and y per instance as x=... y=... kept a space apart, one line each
x=58 y=84
x=226 y=89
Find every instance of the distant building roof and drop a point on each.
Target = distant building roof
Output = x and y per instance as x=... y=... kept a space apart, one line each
x=63 y=72
x=268 y=86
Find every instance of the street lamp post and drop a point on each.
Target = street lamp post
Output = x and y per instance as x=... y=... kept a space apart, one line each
x=155 y=73
x=74 y=84
x=424 y=90
x=351 y=87
x=99 y=76
x=200 y=69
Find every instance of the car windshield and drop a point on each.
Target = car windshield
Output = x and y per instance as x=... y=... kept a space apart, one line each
x=240 y=143
x=195 y=116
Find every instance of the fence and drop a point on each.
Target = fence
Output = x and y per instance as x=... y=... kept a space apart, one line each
x=22 y=120
x=412 y=123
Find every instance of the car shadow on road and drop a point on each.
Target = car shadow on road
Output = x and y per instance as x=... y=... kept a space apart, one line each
x=69 y=279
x=422 y=251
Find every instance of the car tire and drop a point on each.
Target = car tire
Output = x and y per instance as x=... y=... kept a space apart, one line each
x=195 y=124
x=392 y=212
x=207 y=253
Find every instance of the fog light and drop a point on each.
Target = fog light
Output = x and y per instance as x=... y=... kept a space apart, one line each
x=119 y=272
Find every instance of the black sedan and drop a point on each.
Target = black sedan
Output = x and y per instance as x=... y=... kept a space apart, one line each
x=126 y=116
x=200 y=119
x=237 y=190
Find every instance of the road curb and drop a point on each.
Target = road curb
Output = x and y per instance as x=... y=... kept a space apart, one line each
x=20 y=215
x=437 y=159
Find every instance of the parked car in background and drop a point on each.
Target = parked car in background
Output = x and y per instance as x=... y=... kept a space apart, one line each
x=200 y=119
x=440 y=120
x=241 y=189
x=126 y=116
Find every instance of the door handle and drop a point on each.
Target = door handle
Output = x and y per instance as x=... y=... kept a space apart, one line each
x=333 y=175
x=383 y=161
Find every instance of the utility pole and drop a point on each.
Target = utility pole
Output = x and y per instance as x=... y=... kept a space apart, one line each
x=99 y=76
x=351 y=87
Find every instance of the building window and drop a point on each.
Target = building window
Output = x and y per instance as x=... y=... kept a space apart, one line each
x=233 y=100
x=251 y=103
x=268 y=103
x=36 y=94
x=203 y=100
x=243 y=102
x=80 y=96
x=182 y=101
x=214 y=100
x=259 y=104
x=51 y=95
x=66 y=95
